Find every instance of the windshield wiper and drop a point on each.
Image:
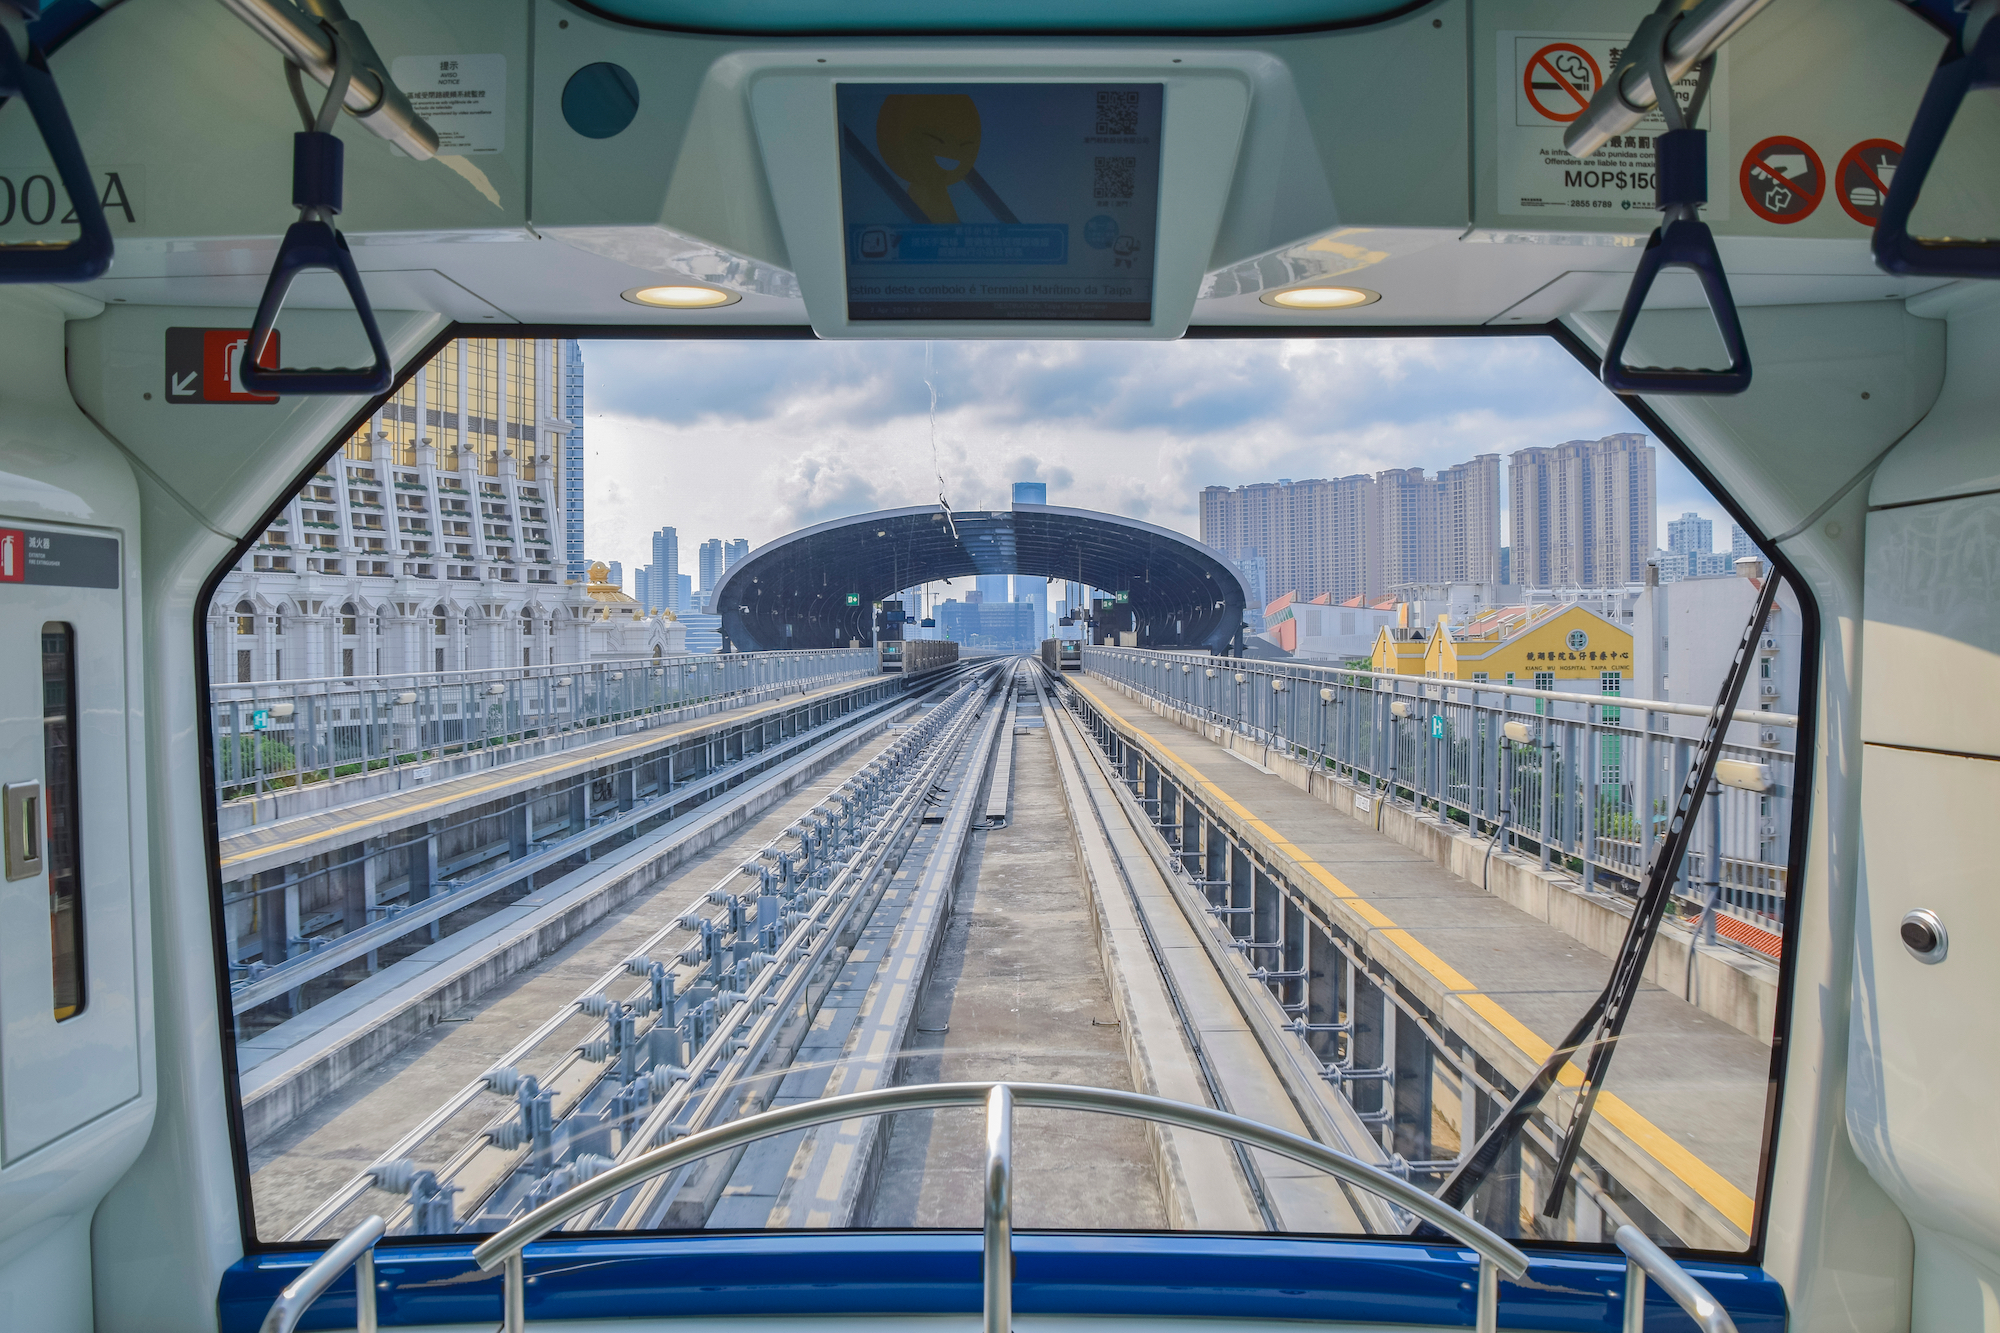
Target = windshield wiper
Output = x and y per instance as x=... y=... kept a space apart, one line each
x=1602 y=1023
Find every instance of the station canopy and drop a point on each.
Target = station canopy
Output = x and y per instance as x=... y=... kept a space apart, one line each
x=817 y=587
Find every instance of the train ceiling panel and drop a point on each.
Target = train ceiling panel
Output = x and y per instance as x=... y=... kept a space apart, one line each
x=1393 y=156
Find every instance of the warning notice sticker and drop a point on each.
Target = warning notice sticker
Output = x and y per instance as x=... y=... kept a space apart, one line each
x=1863 y=178
x=1546 y=80
x=463 y=97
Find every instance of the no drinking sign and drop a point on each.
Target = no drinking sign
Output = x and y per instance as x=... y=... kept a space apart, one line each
x=1546 y=79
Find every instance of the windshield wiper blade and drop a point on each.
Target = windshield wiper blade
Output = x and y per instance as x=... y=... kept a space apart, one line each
x=1604 y=1021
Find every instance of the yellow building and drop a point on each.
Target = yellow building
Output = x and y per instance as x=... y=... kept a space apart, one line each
x=1543 y=647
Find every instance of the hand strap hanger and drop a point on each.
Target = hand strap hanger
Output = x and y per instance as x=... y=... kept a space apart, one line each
x=312 y=243
x=1682 y=240
x=89 y=255
x=1972 y=60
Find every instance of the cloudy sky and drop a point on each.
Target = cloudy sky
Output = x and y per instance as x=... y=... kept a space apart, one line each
x=739 y=438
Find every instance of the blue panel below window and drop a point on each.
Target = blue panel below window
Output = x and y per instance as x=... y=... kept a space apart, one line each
x=847 y=1273
x=926 y=16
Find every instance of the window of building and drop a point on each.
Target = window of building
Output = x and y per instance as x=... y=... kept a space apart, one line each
x=246 y=618
x=440 y=625
x=349 y=619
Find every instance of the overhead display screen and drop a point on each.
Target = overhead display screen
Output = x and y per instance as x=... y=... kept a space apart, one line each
x=999 y=201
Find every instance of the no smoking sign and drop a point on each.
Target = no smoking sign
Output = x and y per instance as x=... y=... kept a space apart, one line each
x=1559 y=81
x=1783 y=179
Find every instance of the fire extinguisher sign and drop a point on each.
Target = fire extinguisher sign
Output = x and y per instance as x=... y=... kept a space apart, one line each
x=206 y=366
x=57 y=559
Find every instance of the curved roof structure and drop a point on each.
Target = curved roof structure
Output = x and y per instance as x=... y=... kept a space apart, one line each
x=795 y=592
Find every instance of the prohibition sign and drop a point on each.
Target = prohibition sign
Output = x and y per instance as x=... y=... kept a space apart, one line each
x=1861 y=181
x=1783 y=179
x=1566 y=75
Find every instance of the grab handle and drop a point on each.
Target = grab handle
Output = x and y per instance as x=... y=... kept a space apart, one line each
x=314 y=245
x=1896 y=251
x=89 y=255
x=1684 y=243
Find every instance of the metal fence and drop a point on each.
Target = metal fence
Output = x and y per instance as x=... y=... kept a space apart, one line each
x=270 y=735
x=1585 y=780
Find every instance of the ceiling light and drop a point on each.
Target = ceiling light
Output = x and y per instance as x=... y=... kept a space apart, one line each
x=1320 y=298
x=681 y=297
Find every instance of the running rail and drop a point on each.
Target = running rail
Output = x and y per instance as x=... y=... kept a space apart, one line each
x=405 y=1147
x=504 y=1249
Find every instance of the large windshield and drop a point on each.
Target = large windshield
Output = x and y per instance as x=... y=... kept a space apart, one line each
x=613 y=740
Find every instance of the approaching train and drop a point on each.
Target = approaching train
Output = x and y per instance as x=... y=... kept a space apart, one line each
x=404 y=926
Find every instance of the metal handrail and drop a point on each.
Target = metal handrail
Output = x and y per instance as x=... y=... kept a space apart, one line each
x=504 y=1247
x=1643 y=1258
x=357 y=1247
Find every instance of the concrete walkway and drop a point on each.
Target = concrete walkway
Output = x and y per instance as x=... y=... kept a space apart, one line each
x=1687 y=1092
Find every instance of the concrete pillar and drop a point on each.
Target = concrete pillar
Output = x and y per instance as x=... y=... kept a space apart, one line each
x=374 y=853
x=1413 y=1065
x=271 y=914
x=1241 y=891
x=1497 y=1202
x=1370 y=1039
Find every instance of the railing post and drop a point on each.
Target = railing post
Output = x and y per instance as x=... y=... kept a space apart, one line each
x=1487 y=1320
x=1635 y=1297
x=999 y=1251
x=514 y=1297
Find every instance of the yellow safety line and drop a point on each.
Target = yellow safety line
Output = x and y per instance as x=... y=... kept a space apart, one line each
x=1699 y=1176
x=650 y=741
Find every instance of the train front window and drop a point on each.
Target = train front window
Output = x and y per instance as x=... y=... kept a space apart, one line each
x=1281 y=726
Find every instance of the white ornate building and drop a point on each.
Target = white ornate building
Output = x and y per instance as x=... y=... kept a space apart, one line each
x=436 y=538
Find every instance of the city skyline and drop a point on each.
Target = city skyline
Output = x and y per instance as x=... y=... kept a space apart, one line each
x=829 y=430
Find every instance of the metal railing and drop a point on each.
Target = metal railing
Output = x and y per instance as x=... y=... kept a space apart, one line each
x=504 y=1249
x=274 y=734
x=1643 y=1258
x=1583 y=780
x=356 y=1248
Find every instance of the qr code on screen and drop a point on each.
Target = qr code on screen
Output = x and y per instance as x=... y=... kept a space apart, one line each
x=1117 y=113
x=1114 y=177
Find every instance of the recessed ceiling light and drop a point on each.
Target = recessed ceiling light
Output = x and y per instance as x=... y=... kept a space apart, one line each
x=681 y=297
x=1321 y=298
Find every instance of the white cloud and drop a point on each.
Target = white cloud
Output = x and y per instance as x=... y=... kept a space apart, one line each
x=755 y=439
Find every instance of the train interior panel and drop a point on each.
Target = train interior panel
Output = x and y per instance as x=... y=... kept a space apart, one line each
x=1049 y=871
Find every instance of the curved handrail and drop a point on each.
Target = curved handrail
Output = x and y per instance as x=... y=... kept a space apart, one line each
x=356 y=1248
x=1496 y=1254
x=1643 y=1259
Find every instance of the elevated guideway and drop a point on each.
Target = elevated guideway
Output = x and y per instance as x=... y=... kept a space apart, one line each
x=1038 y=876
x=1431 y=1000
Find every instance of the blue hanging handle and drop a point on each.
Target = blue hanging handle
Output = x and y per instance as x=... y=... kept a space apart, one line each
x=312 y=243
x=1896 y=251
x=1682 y=240
x=89 y=255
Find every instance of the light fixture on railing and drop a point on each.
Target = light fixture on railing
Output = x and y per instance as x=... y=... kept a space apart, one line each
x=1518 y=732
x=406 y=697
x=1242 y=678
x=1277 y=684
x=617 y=675
x=1400 y=708
x=1326 y=694
x=562 y=680
x=283 y=708
x=496 y=688
x=1209 y=672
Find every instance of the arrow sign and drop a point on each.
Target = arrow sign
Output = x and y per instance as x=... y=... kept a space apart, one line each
x=179 y=386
